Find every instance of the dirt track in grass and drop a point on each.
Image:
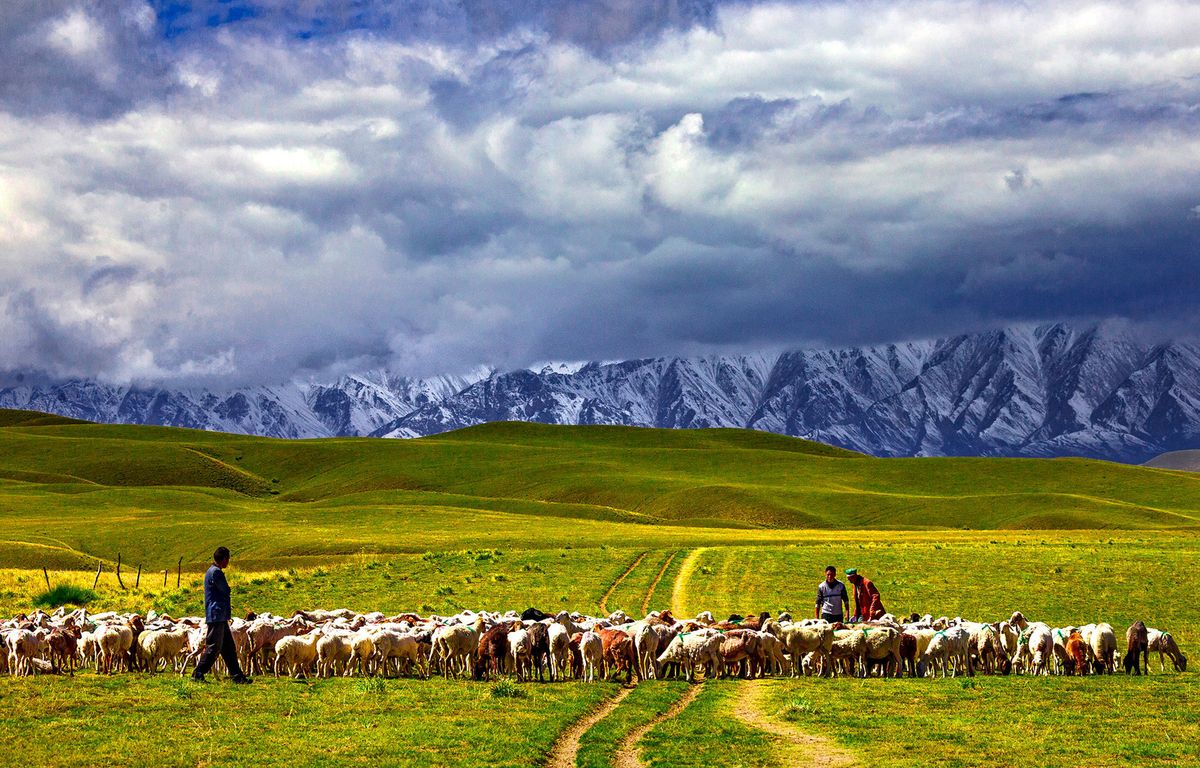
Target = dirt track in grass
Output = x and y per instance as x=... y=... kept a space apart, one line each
x=617 y=582
x=797 y=746
x=562 y=754
x=627 y=751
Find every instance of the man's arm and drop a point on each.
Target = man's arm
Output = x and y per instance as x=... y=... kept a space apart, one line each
x=817 y=610
x=845 y=600
x=223 y=592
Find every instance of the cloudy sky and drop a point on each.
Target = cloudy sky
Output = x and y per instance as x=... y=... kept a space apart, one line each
x=254 y=191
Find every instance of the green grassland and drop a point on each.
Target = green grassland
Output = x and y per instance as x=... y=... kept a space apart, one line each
x=93 y=720
x=517 y=515
x=155 y=494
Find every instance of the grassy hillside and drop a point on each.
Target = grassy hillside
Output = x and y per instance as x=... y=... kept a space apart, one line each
x=512 y=515
x=71 y=491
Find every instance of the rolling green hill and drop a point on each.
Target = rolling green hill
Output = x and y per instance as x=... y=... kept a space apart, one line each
x=83 y=489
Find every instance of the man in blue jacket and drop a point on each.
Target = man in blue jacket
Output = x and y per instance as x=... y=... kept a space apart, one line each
x=217 y=613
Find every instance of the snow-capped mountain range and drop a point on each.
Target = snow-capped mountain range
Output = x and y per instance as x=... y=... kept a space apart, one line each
x=1048 y=390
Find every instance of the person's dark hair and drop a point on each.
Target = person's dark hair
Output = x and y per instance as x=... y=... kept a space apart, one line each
x=829 y=568
x=222 y=553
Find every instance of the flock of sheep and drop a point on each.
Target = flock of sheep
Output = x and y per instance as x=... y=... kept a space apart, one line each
x=573 y=646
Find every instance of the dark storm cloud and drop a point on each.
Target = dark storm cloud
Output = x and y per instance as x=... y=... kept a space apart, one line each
x=93 y=59
x=250 y=191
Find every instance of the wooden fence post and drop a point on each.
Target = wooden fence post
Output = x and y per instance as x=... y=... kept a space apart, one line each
x=119 y=572
x=96 y=580
x=138 y=579
x=164 y=578
x=178 y=572
x=47 y=578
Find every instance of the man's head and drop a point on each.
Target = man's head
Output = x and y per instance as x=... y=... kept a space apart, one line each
x=830 y=574
x=852 y=575
x=221 y=557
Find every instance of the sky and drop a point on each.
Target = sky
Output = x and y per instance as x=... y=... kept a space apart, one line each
x=250 y=192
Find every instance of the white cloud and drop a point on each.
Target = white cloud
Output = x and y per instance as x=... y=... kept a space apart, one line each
x=281 y=207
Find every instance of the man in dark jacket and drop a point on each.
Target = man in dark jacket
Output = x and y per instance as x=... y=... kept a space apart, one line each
x=217 y=613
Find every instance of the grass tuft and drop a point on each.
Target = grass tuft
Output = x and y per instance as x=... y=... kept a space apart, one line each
x=797 y=709
x=367 y=685
x=65 y=594
x=507 y=689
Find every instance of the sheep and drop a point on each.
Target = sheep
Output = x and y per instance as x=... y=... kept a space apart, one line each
x=772 y=650
x=560 y=651
x=399 y=652
x=1077 y=653
x=88 y=649
x=949 y=649
x=645 y=645
x=160 y=645
x=1164 y=643
x=693 y=649
x=24 y=645
x=333 y=653
x=115 y=641
x=492 y=653
x=739 y=647
x=455 y=646
x=520 y=649
x=1040 y=647
x=1137 y=647
x=362 y=650
x=619 y=651
x=988 y=649
x=591 y=648
x=799 y=640
x=1103 y=642
x=63 y=645
x=539 y=637
x=296 y=654
x=1062 y=657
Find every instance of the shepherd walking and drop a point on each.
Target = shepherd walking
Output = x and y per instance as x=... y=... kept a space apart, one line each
x=217 y=613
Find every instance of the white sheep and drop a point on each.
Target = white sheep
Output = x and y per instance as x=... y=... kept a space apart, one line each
x=560 y=651
x=591 y=648
x=296 y=654
x=398 y=651
x=1165 y=644
x=520 y=649
x=160 y=645
x=799 y=640
x=456 y=645
x=333 y=653
x=701 y=648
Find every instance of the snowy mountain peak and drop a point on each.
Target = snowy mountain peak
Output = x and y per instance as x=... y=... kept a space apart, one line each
x=1044 y=390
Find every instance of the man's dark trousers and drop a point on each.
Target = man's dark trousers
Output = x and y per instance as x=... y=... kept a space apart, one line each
x=218 y=639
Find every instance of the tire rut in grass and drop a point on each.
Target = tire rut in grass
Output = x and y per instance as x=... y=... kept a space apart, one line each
x=679 y=589
x=617 y=582
x=657 y=579
x=626 y=755
x=798 y=747
x=566 y=747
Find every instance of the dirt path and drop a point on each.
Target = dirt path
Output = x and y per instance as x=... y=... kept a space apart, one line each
x=566 y=748
x=796 y=747
x=626 y=755
x=679 y=591
x=654 y=586
x=613 y=587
